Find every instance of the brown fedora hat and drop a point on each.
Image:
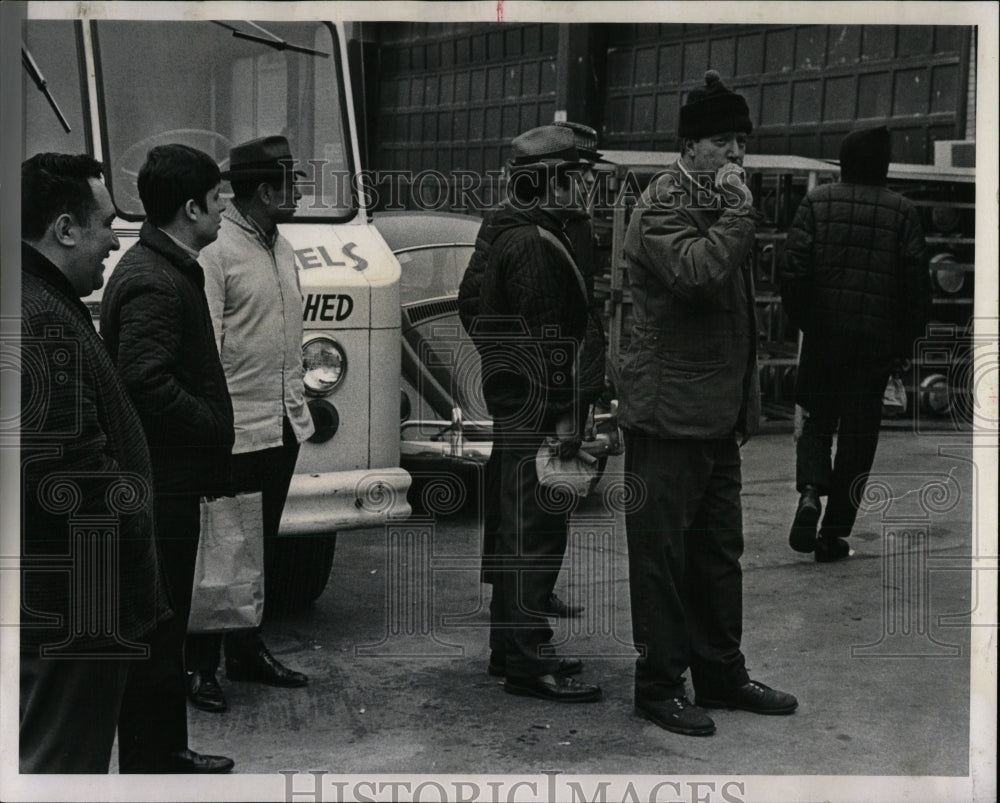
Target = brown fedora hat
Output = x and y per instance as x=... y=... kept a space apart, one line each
x=260 y=157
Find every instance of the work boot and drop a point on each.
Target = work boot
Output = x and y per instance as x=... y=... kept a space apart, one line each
x=831 y=548
x=755 y=697
x=557 y=607
x=802 y=537
x=205 y=693
x=676 y=715
x=259 y=666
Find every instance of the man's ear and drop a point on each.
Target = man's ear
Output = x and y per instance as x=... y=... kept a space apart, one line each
x=63 y=229
x=191 y=209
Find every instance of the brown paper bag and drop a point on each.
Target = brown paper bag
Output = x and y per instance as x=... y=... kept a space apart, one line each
x=228 y=591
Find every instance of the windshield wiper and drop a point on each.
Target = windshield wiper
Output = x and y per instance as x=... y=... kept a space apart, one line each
x=36 y=75
x=270 y=39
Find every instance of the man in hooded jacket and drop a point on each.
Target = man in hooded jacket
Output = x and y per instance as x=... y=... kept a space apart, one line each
x=855 y=282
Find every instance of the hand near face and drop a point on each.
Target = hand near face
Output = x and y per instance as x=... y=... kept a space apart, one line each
x=730 y=180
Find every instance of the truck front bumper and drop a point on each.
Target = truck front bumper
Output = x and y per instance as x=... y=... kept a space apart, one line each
x=345 y=500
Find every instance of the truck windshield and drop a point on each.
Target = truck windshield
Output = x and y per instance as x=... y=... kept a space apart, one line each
x=214 y=85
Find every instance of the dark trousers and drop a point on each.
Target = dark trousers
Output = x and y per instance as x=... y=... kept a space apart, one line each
x=524 y=559
x=69 y=712
x=269 y=471
x=850 y=406
x=153 y=718
x=685 y=579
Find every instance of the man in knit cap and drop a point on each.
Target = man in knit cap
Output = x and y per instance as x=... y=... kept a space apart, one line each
x=855 y=282
x=689 y=398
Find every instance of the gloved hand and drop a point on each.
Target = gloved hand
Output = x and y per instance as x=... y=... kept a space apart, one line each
x=568 y=447
x=730 y=180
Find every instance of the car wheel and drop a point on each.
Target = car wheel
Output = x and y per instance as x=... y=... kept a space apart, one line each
x=299 y=570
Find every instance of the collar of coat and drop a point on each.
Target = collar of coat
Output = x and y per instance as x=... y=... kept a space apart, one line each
x=156 y=240
x=249 y=225
x=41 y=267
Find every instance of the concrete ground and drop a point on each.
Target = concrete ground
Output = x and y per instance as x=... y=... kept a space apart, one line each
x=875 y=648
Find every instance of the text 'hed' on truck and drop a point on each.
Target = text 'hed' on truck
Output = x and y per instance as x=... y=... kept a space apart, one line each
x=104 y=87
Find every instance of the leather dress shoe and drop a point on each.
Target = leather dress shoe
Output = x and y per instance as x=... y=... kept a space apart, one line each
x=802 y=537
x=259 y=666
x=558 y=688
x=676 y=715
x=754 y=697
x=556 y=607
x=567 y=666
x=205 y=693
x=829 y=550
x=188 y=762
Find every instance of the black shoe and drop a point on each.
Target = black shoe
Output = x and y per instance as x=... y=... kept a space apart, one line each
x=755 y=697
x=567 y=666
x=205 y=693
x=188 y=762
x=556 y=607
x=802 y=537
x=829 y=550
x=677 y=715
x=558 y=688
x=259 y=666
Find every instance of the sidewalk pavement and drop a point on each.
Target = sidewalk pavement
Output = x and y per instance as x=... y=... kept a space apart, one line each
x=875 y=648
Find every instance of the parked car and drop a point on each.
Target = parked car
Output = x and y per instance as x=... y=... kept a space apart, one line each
x=446 y=430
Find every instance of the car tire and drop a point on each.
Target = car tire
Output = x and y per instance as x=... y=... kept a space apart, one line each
x=300 y=570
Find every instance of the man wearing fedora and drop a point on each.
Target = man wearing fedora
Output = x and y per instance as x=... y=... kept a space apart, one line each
x=156 y=326
x=255 y=303
x=524 y=302
x=689 y=398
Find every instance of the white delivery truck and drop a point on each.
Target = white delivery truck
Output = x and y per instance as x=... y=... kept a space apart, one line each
x=116 y=88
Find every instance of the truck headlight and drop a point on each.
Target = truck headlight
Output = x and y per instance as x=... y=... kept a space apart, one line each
x=325 y=365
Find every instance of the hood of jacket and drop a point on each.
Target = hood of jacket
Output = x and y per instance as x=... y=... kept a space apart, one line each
x=864 y=156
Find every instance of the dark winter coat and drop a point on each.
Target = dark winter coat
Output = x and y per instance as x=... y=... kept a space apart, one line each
x=691 y=367
x=855 y=269
x=156 y=324
x=522 y=303
x=83 y=454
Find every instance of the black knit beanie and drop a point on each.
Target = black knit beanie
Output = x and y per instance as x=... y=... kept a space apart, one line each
x=864 y=156
x=713 y=109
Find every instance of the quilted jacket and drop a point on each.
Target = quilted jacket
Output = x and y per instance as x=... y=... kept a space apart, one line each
x=81 y=439
x=156 y=324
x=856 y=265
x=691 y=366
x=522 y=304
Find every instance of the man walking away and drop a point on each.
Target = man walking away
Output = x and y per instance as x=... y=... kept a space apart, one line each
x=855 y=282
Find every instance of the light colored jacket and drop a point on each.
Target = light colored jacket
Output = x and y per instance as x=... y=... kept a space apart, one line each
x=255 y=301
